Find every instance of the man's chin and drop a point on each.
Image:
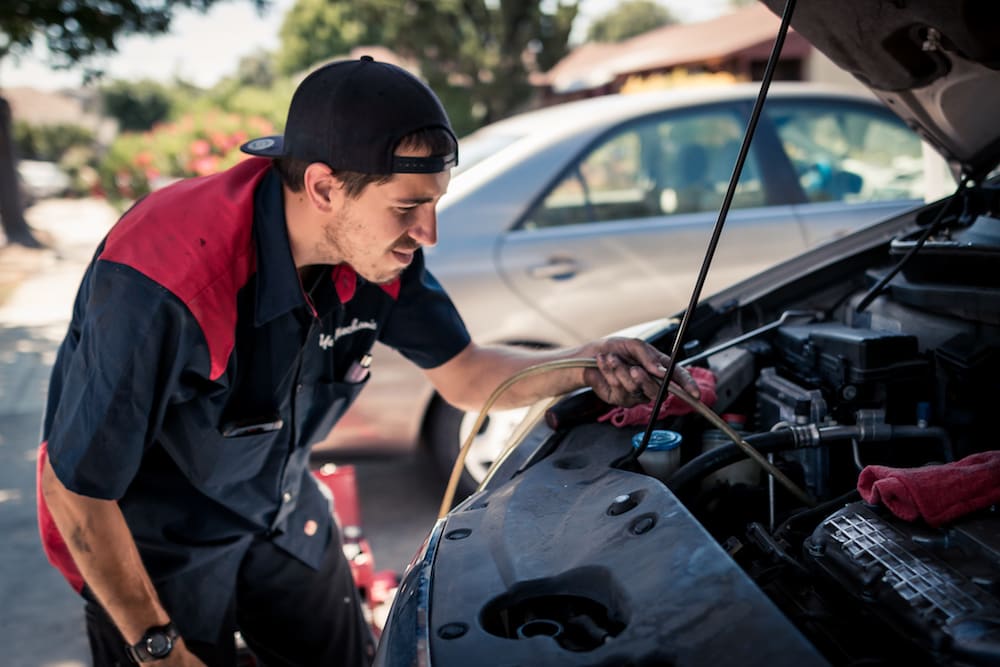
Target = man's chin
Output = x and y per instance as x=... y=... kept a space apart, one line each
x=383 y=277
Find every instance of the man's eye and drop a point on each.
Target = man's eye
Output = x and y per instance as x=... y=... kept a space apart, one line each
x=405 y=210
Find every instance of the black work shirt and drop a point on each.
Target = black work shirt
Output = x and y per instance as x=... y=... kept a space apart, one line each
x=202 y=460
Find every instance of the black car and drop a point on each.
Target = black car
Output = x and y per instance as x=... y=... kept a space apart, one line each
x=875 y=357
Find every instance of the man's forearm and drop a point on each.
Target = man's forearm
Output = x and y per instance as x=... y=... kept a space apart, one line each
x=628 y=371
x=105 y=553
x=477 y=371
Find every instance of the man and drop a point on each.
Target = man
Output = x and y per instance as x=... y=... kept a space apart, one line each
x=221 y=330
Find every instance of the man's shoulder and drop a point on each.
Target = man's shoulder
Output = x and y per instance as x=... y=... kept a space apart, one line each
x=195 y=239
x=192 y=233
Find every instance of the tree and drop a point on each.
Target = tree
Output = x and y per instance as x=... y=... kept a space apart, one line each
x=315 y=30
x=137 y=106
x=74 y=31
x=628 y=20
x=476 y=54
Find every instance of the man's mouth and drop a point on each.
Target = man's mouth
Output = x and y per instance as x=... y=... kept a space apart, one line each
x=404 y=257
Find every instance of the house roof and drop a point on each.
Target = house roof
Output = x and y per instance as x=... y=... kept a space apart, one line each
x=594 y=64
x=41 y=107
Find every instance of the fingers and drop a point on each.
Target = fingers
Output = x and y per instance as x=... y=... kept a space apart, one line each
x=633 y=367
x=684 y=379
x=626 y=382
x=617 y=373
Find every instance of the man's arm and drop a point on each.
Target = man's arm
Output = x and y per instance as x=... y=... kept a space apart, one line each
x=629 y=372
x=105 y=553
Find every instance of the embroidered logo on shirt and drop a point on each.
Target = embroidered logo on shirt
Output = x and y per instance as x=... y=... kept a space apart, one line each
x=354 y=327
x=325 y=341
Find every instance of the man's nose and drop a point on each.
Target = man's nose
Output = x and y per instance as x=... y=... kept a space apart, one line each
x=425 y=231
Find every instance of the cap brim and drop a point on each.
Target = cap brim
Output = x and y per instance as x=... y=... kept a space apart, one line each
x=273 y=146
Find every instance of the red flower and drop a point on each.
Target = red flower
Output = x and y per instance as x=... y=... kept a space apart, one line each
x=200 y=148
x=203 y=166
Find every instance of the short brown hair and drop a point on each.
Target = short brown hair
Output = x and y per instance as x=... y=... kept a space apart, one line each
x=437 y=140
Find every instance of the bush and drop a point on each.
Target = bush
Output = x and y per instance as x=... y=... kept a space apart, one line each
x=49 y=142
x=197 y=144
x=136 y=105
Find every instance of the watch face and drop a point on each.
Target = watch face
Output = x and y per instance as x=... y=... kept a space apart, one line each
x=159 y=644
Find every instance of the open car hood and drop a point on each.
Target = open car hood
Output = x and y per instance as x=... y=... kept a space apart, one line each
x=936 y=63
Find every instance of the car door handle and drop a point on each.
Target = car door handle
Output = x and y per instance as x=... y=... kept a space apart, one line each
x=556 y=268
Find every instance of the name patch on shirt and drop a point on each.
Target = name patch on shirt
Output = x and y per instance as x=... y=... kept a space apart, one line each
x=354 y=327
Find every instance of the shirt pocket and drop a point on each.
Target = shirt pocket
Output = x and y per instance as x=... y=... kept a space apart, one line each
x=244 y=454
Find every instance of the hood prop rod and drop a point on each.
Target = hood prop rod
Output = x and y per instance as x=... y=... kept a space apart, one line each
x=717 y=230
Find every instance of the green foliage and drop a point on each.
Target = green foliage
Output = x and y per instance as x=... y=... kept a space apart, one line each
x=252 y=91
x=49 y=142
x=477 y=54
x=197 y=144
x=136 y=105
x=316 y=30
x=628 y=20
x=77 y=29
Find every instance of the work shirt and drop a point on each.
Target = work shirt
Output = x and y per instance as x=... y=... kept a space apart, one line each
x=197 y=372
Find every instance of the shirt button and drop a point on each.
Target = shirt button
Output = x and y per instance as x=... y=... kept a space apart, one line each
x=287 y=497
x=299 y=388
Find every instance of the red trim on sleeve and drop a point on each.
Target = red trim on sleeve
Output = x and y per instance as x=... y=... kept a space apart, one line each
x=52 y=541
x=195 y=238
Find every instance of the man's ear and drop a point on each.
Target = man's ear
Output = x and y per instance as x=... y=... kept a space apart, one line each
x=321 y=186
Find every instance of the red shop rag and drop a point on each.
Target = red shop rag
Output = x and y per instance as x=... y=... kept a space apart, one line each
x=639 y=414
x=936 y=493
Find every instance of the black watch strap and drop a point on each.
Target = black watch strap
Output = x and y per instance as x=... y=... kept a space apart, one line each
x=155 y=644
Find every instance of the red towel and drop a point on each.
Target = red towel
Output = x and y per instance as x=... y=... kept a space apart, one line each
x=938 y=493
x=639 y=414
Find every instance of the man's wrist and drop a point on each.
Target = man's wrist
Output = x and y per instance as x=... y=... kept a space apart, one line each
x=155 y=644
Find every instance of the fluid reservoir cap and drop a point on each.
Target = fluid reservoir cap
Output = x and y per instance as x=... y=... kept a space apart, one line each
x=660 y=440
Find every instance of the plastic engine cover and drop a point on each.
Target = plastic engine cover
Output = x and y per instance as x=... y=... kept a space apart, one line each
x=938 y=586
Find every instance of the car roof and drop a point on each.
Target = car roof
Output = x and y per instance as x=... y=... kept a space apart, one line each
x=610 y=109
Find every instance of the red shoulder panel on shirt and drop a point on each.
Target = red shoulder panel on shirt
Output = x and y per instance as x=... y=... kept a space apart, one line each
x=195 y=239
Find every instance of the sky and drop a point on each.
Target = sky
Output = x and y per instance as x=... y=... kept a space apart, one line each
x=204 y=47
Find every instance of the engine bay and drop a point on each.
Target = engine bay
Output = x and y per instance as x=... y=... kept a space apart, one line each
x=907 y=379
x=573 y=553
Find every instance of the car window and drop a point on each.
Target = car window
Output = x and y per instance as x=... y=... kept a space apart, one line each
x=849 y=153
x=663 y=166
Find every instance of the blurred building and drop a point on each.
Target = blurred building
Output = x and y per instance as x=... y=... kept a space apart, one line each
x=71 y=107
x=732 y=47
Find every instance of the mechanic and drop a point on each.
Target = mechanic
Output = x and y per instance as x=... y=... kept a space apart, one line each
x=221 y=329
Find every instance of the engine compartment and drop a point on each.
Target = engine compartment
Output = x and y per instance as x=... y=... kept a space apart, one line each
x=571 y=553
x=864 y=584
x=907 y=381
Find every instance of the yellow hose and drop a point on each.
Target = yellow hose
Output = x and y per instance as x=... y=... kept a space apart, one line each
x=673 y=388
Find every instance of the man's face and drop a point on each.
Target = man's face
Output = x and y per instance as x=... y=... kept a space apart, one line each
x=378 y=232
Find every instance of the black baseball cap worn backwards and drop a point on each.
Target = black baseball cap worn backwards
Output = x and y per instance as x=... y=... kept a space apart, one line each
x=351 y=115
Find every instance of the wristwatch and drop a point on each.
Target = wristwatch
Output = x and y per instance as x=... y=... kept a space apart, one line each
x=156 y=643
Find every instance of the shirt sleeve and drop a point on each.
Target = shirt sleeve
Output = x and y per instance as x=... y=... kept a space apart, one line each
x=128 y=346
x=424 y=325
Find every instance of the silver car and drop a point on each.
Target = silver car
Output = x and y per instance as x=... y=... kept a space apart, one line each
x=570 y=222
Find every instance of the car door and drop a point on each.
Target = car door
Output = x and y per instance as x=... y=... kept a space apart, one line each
x=620 y=236
x=857 y=163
